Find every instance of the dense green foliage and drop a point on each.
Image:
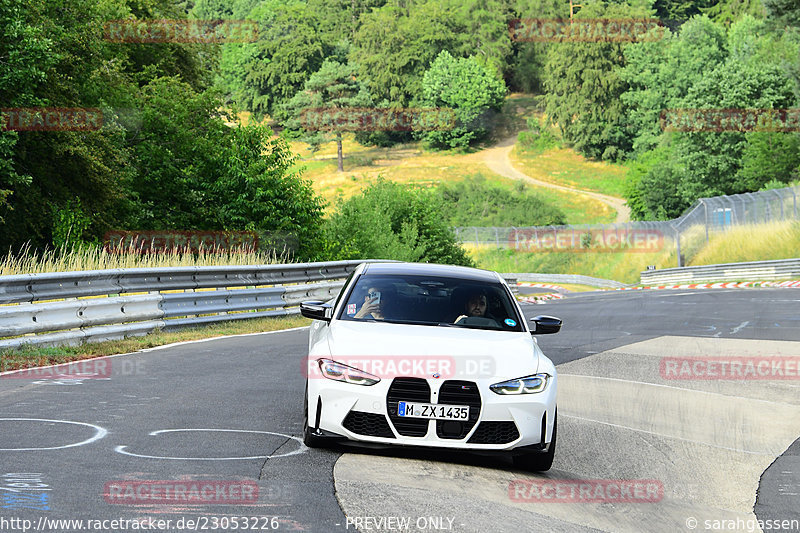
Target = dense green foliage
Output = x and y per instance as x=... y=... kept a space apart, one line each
x=474 y=202
x=391 y=221
x=584 y=89
x=165 y=157
x=470 y=90
x=171 y=153
x=707 y=67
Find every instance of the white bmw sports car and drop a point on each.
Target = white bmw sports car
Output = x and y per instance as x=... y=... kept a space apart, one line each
x=430 y=355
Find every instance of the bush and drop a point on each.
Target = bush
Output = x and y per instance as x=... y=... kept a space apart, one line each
x=474 y=202
x=392 y=221
x=472 y=91
x=538 y=138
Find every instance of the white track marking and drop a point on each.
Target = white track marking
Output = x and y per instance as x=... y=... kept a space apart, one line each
x=302 y=449
x=99 y=434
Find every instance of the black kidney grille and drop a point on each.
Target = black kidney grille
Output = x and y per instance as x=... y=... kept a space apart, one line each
x=458 y=393
x=495 y=433
x=369 y=424
x=408 y=390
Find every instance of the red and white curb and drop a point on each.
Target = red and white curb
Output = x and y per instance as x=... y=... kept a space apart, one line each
x=541 y=285
x=728 y=285
x=540 y=299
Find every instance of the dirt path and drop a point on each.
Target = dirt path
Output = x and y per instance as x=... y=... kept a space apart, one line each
x=498 y=161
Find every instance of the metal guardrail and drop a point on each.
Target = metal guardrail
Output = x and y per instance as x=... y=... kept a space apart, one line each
x=99 y=305
x=751 y=271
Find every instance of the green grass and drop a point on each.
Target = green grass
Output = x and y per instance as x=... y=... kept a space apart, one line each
x=624 y=267
x=776 y=240
x=577 y=208
x=38 y=356
x=564 y=166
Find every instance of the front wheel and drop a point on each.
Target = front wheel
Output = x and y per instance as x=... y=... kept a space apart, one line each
x=309 y=439
x=539 y=462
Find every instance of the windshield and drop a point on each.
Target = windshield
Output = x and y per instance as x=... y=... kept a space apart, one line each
x=431 y=300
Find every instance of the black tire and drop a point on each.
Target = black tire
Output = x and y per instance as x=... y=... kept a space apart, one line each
x=312 y=441
x=539 y=462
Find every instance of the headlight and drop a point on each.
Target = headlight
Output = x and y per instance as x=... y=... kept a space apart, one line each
x=348 y=374
x=526 y=385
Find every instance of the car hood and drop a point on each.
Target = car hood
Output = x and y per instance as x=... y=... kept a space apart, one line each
x=389 y=350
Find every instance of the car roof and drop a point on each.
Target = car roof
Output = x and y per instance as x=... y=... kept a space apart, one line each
x=430 y=269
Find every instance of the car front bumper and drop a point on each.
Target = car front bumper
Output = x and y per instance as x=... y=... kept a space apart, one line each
x=367 y=414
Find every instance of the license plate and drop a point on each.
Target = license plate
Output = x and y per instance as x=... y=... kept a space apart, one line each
x=432 y=411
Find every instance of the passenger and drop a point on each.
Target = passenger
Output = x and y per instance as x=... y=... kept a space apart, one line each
x=373 y=306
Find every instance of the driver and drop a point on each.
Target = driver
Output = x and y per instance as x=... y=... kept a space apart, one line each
x=475 y=305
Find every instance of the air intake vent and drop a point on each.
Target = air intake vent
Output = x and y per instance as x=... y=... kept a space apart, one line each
x=369 y=424
x=408 y=390
x=495 y=433
x=458 y=393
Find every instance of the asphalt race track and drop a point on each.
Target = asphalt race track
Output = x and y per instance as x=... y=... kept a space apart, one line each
x=226 y=413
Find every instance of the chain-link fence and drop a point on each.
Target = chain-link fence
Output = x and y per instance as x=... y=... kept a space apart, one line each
x=706 y=216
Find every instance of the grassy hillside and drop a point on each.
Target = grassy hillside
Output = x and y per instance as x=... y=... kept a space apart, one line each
x=777 y=240
x=411 y=163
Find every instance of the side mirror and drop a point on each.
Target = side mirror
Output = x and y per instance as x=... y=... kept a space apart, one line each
x=545 y=324
x=316 y=310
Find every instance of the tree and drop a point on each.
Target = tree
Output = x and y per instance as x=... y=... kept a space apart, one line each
x=652 y=185
x=786 y=12
x=680 y=10
x=333 y=86
x=393 y=221
x=747 y=80
x=393 y=47
x=768 y=156
x=27 y=54
x=659 y=75
x=194 y=171
x=261 y=76
x=584 y=88
x=470 y=90
x=728 y=11
x=529 y=58
x=397 y=43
